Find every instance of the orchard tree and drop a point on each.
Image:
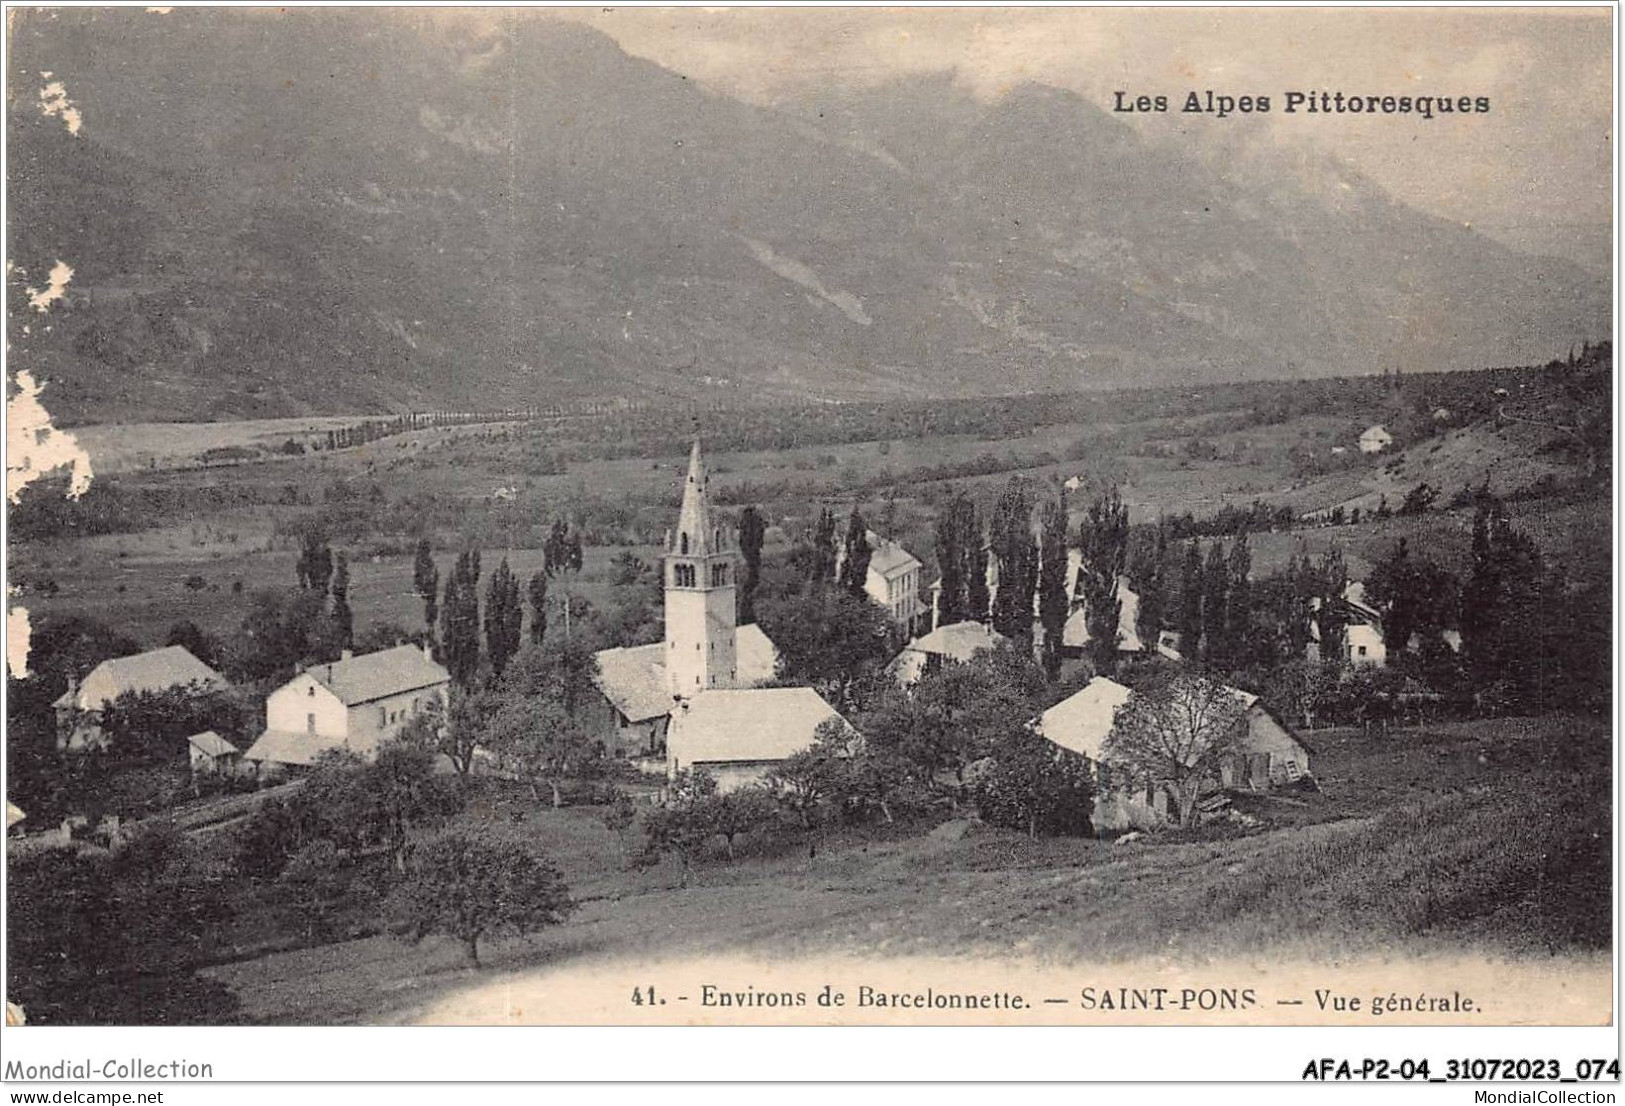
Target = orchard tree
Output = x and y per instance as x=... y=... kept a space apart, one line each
x=1034 y=785
x=471 y=884
x=1176 y=730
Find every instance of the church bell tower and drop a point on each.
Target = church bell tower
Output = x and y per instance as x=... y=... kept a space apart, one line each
x=701 y=607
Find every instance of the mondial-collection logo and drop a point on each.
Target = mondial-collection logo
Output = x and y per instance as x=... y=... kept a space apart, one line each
x=66 y=1071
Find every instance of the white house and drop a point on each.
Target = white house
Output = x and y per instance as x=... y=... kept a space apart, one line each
x=893 y=581
x=354 y=703
x=1268 y=754
x=704 y=678
x=1375 y=439
x=739 y=737
x=79 y=709
x=958 y=642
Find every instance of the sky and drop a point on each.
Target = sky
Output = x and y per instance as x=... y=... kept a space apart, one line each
x=1535 y=171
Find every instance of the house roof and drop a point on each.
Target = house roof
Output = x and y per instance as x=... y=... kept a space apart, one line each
x=633 y=678
x=1076 y=633
x=890 y=559
x=211 y=744
x=1377 y=433
x=377 y=675
x=961 y=640
x=746 y=726
x=14 y=814
x=289 y=747
x=1082 y=721
x=157 y=670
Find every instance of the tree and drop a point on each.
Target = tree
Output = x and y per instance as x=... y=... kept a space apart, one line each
x=504 y=617
x=1017 y=553
x=1175 y=731
x=752 y=530
x=151 y=727
x=455 y=731
x=99 y=938
x=311 y=884
x=408 y=795
x=823 y=548
x=741 y=812
x=1103 y=544
x=205 y=647
x=1152 y=583
x=1034 y=785
x=281 y=629
x=1238 y=607
x=619 y=818
x=1417 y=598
x=952 y=604
x=1215 y=610
x=1503 y=606
x=472 y=884
x=1053 y=604
x=314 y=568
x=561 y=552
x=830 y=639
x=343 y=620
x=1190 y=602
x=855 y=564
x=460 y=619
x=978 y=603
x=537 y=590
x=426 y=582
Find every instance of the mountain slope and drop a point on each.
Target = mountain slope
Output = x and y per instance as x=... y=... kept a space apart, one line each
x=329 y=211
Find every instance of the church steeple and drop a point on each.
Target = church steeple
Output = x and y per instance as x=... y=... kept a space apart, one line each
x=699 y=583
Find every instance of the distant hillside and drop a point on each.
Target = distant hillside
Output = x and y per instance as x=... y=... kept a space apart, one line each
x=334 y=211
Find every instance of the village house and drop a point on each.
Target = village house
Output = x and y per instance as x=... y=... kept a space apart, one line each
x=1363 y=642
x=79 y=710
x=1268 y=755
x=354 y=703
x=739 y=737
x=893 y=581
x=212 y=755
x=1375 y=439
x=958 y=642
x=647 y=689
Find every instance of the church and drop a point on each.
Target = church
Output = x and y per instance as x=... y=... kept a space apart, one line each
x=697 y=698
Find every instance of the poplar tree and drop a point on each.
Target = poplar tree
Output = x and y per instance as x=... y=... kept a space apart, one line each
x=1052 y=598
x=1018 y=562
x=343 y=620
x=426 y=582
x=1103 y=543
x=752 y=529
x=855 y=564
x=504 y=617
x=460 y=618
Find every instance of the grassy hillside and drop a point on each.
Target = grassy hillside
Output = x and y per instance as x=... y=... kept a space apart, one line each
x=1493 y=837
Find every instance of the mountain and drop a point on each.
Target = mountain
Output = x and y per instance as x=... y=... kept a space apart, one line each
x=328 y=211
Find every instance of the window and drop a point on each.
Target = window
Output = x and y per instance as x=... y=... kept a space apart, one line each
x=383 y=716
x=310 y=723
x=1362 y=650
x=682 y=545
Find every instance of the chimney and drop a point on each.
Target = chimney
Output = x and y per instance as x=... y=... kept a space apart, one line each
x=346 y=654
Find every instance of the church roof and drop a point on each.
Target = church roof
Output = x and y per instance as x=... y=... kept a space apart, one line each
x=746 y=726
x=697 y=533
x=634 y=678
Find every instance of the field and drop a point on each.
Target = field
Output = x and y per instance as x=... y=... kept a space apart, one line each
x=1494 y=835
x=186 y=542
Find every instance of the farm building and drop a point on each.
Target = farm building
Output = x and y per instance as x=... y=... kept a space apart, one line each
x=959 y=642
x=212 y=755
x=1268 y=755
x=354 y=703
x=695 y=698
x=79 y=710
x=1375 y=439
x=739 y=737
x=1363 y=642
